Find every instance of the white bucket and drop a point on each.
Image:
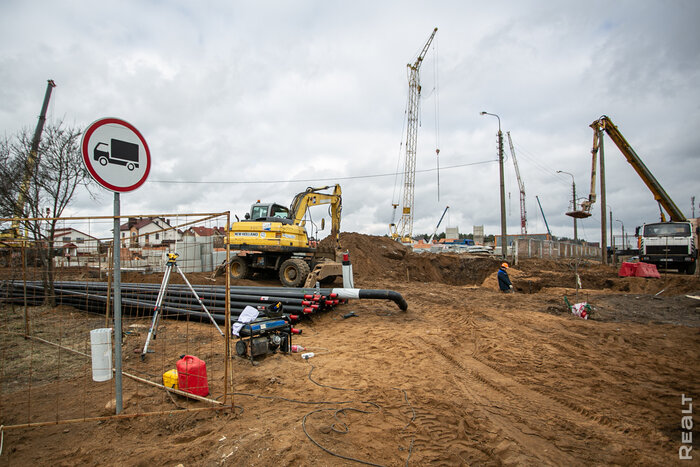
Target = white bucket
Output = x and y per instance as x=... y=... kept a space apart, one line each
x=101 y=344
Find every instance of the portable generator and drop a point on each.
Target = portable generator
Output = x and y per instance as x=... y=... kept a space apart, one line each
x=265 y=336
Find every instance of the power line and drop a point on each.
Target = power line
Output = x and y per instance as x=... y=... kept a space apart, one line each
x=355 y=177
x=544 y=169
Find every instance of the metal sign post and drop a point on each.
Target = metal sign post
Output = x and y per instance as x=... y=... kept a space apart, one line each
x=117 y=157
x=117 y=307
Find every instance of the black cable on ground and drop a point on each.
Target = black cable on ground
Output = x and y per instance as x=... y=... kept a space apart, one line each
x=290 y=400
x=326 y=386
x=335 y=415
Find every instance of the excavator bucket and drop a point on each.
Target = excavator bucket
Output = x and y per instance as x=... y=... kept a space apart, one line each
x=322 y=271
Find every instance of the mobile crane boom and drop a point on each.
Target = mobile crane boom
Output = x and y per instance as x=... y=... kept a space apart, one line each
x=32 y=159
x=430 y=240
x=605 y=124
x=668 y=245
x=549 y=232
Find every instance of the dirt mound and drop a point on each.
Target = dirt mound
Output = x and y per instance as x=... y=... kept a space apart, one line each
x=375 y=258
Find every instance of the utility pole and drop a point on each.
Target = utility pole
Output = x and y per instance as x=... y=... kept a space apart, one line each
x=603 y=226
x=573 y=205
x=504 y=236
x=612 y=237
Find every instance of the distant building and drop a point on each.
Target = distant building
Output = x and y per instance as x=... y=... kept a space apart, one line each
x=147 y=231
x=74 y=242
x=452 y=233
x=478 y=234
x=215 y=234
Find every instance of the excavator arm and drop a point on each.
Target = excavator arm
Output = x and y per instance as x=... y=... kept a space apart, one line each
x=314 y=197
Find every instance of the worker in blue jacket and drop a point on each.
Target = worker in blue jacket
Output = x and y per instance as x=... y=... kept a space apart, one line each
x=503 y=280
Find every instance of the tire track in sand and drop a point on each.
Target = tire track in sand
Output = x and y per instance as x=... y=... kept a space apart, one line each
x=506 y=403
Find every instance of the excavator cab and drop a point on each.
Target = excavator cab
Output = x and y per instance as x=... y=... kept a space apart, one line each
x=269 y=212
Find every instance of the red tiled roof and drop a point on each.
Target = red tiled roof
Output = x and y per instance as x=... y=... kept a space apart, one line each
x=206 y=231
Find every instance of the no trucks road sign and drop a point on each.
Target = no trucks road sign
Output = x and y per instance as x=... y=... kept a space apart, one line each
x=116 y=154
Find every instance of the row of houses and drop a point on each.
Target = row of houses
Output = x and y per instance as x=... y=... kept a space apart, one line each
x=135 y=233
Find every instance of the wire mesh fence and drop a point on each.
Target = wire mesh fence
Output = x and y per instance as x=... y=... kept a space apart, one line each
x=57 y=318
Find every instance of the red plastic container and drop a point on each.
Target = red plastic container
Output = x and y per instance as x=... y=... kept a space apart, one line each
x=192 y=375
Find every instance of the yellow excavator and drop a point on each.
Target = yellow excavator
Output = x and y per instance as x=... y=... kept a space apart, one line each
x=273 y=237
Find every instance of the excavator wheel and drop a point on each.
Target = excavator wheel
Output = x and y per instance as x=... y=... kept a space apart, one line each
x=240 y=269
x=293 y=272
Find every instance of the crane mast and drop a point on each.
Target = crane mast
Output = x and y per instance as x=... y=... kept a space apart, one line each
x=521 y=185
x=404 y=231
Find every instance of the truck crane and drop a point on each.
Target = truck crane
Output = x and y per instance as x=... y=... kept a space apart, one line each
x=668 y=245
x=404 y=231
x=521 y=185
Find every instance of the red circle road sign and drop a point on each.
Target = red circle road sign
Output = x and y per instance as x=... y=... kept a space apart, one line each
x=116 y=154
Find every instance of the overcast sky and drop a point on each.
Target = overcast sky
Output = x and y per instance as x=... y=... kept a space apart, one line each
x=240 y=101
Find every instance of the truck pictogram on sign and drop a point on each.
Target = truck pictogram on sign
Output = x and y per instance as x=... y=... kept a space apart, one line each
x=117 y=152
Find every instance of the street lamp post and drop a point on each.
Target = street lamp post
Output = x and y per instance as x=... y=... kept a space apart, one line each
x=504 y=237
x=623 y=233
x=573 y=186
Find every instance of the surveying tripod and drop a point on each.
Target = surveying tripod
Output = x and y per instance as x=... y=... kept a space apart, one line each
x=171 y=263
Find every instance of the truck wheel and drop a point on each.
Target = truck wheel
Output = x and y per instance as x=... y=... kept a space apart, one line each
x=240 y=269
x=293 y=272
x=130 y=166
x=103 y=161
x=690 y=268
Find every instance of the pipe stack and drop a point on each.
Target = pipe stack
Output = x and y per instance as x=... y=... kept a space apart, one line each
x=139 y=299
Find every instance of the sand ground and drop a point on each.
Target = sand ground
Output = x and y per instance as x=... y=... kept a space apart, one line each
x=467 y=375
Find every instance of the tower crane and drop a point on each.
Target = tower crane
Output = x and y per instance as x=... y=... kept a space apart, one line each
x=521 y=185
x=404 y=231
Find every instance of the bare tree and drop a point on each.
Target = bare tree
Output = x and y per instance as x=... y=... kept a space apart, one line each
x=45 y=185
